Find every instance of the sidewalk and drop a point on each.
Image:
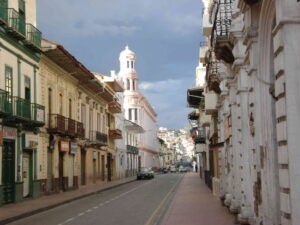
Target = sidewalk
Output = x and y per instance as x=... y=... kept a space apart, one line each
x=194 y=204
x=11 y=212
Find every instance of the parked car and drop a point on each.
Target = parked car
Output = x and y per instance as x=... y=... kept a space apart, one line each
x=145 y=173
x=173 y=169
x=164 y=170
x=182 y=169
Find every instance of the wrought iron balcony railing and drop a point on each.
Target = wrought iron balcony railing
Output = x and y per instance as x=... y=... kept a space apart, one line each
x=98 y=137
x=132 y=149
x=57 y=124
x=21 y=108
x=33 y=36
x=80 y=132
x=221 y=29
x=5 y=103
x=16 y=23
x=38 y=114
x=70 y=127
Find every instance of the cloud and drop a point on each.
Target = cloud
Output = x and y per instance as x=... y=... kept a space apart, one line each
x=163 y=85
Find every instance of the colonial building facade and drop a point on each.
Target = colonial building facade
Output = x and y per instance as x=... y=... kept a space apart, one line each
x=251 y=96
x=20 y=114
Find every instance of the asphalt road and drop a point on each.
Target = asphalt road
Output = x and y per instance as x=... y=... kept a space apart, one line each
x=136 y=203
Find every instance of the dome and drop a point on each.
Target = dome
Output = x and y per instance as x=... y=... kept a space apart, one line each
x=127 y=54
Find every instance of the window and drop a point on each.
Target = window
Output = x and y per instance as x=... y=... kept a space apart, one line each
x=22 y=7
x=91 y=119
x=98 y=122
x=108 y=119
x=70 y=108
x=27 y=88
x=128 y=84
x=60 y=104
x=128 y=64
x=103 y=123
x=132 y=64
x=49 y=100
x=133 y=85
x=129 y=114
x=133 y=114
x=8 y=80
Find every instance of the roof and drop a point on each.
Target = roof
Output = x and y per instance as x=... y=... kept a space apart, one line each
x=60 y=56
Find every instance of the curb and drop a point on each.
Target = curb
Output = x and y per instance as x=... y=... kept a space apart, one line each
x=36 y=211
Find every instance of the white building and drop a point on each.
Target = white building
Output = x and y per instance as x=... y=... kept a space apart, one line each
x=139 y=111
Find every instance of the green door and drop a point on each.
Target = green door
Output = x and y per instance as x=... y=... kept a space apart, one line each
x=8 y=171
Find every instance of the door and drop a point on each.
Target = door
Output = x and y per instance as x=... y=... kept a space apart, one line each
x=109 y=167
x=27 y=97
x=102 y=167
x=49 y=170
x=26 y=173
x=61 y=170
x=3 y=13
x=94 y=171
x=83 y=154
x=71 y=171
x=8 y=171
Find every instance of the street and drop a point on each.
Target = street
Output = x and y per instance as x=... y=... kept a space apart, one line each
x=139 y=202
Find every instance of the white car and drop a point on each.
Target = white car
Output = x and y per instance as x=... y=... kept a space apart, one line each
x=182 y=169
x=173 y=169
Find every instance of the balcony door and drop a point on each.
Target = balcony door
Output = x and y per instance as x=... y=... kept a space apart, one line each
x=3 y=13
x=27 y=93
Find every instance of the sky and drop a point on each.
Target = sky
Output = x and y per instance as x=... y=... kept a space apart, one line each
x=164 y=34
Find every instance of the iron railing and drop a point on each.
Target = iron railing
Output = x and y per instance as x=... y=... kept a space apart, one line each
x=16 y=21
x=3 y=14
x=21 y=108
x=5 y=103
x=132 y=149
x=70 y=127
x=38 y=113
x=96 y=136
x=33 y=35
x=80 y=132
x=57 y=124
x=222 y=20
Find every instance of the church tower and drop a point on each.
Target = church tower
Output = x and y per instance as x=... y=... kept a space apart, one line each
x=127 y=70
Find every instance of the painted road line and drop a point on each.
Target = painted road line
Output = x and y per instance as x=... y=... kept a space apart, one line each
x=149 y=221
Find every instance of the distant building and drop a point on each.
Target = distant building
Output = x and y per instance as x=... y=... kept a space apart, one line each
x=139 y=111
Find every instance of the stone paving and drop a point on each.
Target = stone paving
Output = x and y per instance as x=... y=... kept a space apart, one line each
x=194 y=204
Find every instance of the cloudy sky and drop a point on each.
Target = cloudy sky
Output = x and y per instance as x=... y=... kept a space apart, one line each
x=165 y=35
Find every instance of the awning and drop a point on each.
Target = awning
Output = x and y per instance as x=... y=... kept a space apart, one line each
x=194 y=95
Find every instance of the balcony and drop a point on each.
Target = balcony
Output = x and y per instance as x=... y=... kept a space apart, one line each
x=212 y=75
x=221 y=29
x=202 y=53
x=70 y=127
x=5 y=104
x=211 y=100
x=115 y=133
x=57 y=124
x=37 y=114
x=199 y=139
x=80 y=132
x=98 y=138
x=16 y=24
x=21 y=109
x=33 y=38
x=114 y=107
x=132 y=149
